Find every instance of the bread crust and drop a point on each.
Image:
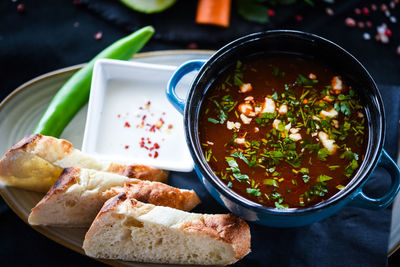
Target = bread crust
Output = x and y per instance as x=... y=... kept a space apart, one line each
x=60 y=153
x=86 y=207
x=226 y=228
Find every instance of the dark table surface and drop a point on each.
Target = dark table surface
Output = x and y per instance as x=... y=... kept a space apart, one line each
x=50 y=35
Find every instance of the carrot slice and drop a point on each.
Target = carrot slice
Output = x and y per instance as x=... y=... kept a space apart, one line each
x=214 y=12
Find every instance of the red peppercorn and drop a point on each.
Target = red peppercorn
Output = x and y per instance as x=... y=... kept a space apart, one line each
x=270 y=12
x=192 y=46
x=357 y=11
x=388 y=33
x=127 y=124
x=350 y=22
x=21 y=8
x=365 y=11
x=98 y=35
x=298 y=18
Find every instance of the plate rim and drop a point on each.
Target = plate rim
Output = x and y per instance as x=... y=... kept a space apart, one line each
x=66 y=70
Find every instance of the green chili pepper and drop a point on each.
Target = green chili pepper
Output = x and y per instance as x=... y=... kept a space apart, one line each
x=74 y=94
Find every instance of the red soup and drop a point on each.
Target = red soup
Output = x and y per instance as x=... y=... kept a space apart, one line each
x=285 y=132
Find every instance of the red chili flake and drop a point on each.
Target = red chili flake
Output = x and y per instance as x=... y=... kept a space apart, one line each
x=155 y=154
x=369 y=24
x=170 y=126
x=388 y=33
x=119 y=115
x=374 y=7
x=350 y=22
x=163 y=113
x=126 y=147
x=152 y=129
x=329 y=11
x=150 y=155
x=147 y=105
x=298 y=18
x=127 y=124
x=192 y=46
x=98 y=35
x=357 y=11
x=360 y=24
x=156 y=146
x=365 y=11
x=384 y=7
x=21 y=8
x=148 y=141
x=271 y=12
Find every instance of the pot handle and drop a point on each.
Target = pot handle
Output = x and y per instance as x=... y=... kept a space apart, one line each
x=182 y=70
x=363 y=201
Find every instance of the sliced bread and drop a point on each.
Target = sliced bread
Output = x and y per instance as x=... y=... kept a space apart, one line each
x=130 y=230
x=32 y=151
x=78 y=195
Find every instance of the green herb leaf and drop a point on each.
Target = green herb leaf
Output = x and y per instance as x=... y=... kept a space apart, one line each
x=271 y=182
x=323 y=178
x=252 y=11
x=213 y=120
x=306 y=178
x=240 y=156
x=281 y=206
x=253 y=191
x=323 y=153
x=275 y=96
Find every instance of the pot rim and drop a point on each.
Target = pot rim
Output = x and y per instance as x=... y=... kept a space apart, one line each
x=351 y=187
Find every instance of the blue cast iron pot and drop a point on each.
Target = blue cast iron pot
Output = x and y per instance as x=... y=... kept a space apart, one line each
x=297 y=43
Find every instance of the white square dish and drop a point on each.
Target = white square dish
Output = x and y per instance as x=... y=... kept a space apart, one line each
x=130 y=120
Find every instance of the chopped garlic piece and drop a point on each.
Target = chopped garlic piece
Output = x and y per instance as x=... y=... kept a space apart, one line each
x=240 y=141
x=337 y=84
x=330 y=113
x=268 y=106
x=335 y=123
x=283 y=109
x=288 y=126
x=313 y=134
x=295 y=137
x=245 y=119
x=329 y=144
x=315 y=118
x=210 y=143
x=360 y=115
x=275 y=123
x=312 y=76
x=248 y=99
x=245 y=108
x=256 y=129
x=233 y=125
x=294 y=130
x=246 y=87
x=328 y=98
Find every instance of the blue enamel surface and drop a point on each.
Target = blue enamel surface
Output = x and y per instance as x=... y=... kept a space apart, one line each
x=184 y=69
x=254 y=212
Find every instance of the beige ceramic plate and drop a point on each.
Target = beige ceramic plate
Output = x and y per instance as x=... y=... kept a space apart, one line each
x=20 y=112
